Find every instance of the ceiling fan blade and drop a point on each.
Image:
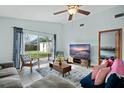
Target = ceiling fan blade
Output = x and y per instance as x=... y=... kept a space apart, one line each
x=83 y=12
x=70 y=17
x=60 y=12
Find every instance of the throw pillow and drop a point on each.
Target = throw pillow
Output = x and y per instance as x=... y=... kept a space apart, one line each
x=110 y=62
x=118 y=67
x=94 y=73
x=70 y=59
x=95 y=70
x=105 y=62
x=101 y=75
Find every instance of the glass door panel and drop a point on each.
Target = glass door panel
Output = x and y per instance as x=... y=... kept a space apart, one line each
x=45 y=47
x=31 y=42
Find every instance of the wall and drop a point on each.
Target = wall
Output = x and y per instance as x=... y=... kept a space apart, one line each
x=105 y=20
x=6 y=33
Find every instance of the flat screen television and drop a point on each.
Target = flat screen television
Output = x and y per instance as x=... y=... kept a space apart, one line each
x=80 y=51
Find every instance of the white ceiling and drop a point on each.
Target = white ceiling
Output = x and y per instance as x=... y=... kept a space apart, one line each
x=45 y=12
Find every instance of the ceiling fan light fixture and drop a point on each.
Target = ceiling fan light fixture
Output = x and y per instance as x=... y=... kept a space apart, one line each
x=72 y=9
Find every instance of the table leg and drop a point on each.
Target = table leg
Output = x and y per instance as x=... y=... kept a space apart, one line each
x=50 y=68
x=38 y=65
x=63 y=74
x=69 y=72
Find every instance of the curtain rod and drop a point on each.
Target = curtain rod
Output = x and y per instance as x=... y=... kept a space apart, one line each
x=35 y=31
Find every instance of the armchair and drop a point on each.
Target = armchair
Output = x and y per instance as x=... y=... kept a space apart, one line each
x=29 y=62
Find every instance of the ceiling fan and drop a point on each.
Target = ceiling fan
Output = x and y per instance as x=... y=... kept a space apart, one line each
x=73 y=9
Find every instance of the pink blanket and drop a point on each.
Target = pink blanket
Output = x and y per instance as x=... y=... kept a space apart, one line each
x=118 y=68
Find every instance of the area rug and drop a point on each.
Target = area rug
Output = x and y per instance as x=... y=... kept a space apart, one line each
x=76 y=74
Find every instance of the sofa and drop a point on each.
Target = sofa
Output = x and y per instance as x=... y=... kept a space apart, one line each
x=9 y=78
x=109 y=74
x=113 y=82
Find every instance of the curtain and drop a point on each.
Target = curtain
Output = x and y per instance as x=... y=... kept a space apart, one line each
x=54 y=46
x=17 y=46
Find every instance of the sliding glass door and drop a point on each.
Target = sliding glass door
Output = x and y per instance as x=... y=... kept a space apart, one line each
x=31 y=44
x=38 y=46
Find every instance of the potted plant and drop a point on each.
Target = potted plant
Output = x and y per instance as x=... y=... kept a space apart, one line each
x=60 y=59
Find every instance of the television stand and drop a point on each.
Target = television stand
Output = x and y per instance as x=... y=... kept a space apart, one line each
x=83 y=62
x=76 y=60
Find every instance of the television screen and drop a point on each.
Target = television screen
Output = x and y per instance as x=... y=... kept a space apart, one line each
x=80 y=51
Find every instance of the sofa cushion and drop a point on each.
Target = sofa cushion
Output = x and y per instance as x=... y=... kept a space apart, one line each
x=87 y=82
x=8 y=72
x=51 y=81
x=121 y=83
x=10 y=82
x=112 y=81
x=99 y=86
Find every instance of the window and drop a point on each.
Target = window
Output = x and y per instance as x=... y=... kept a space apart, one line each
x=38 y=46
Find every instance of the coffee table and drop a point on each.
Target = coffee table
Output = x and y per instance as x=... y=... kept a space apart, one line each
x=63 y=68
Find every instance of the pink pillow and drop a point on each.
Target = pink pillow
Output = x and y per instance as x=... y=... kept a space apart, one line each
x=104 y=62
x=95 y=70
x=118 y=67
x=101 y=75
x=94 y=73
x=110 y=62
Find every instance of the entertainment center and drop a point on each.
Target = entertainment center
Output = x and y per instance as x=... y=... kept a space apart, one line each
x=80 y=53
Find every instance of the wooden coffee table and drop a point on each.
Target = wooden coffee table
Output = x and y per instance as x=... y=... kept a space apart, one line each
x=64 y=68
